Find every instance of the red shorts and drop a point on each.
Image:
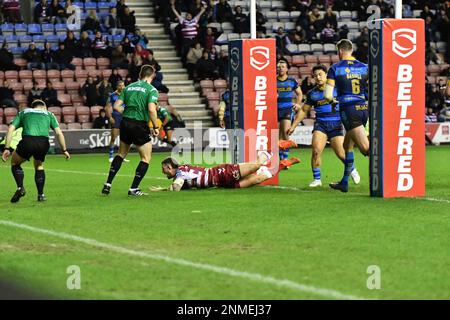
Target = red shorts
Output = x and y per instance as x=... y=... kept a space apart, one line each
x=226 y=176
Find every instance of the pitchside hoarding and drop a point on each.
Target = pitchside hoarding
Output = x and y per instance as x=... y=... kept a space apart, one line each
x=397 y=106
x=253 y=98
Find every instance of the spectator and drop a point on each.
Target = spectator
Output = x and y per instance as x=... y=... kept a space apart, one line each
x=128 y=47
x=260 y=20
x=63 y=58
x=206 y=69
x=443 y=26
x=33 y=57
x=135 y=67
x=364 y=36
x=119 y=59
x=100 y=46
x=152 y=61
x=362 y=53
x=282 y=41
x=241 y=24
x=311 y=36
x=128 y=21
x=315 y=18
x=104 y=90
x=115 y=77
x=189 y=29
x=35 y=93
x=89 y=90
x=140 y=51
x=213 y=55
x=303 y=20
x=70 y=42
x=47 y=57
x=11 y=11
x=222 y=64
x=85 y=46
x=301 y=5
x=223 y=12
x=430 y=115
x=426 y=13
x=299 y=35
x=139 y=38
x=113 y=24
x=330 y=17
x=42 y=12
x=102 y=121
x=328 y=34
x=430 y=55
x=50 y=96
x=120 y=8
x=58 y=12
x=7 y=59
x=7 y=96
x=209 y=39
x=194 y=54
x=92 y=23
x=343 y=32
x=430 y=30
x=434 y=99
x=128 y=80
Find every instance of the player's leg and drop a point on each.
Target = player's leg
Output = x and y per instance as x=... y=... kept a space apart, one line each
x=114 y=135
x=145 y=152
x=248 y=168
x=284 y=126
x=337 y=143
x=39 y=179
x=319 y=141
x=116 y=164
x=254 y=179
x=358 y=135
x=18 y=174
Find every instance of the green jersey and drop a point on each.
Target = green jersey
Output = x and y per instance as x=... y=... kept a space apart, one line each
x=136 y=98
x=35 y=122
x=16 y=137
x=163 y=113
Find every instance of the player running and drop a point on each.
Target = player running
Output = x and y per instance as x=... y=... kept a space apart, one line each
x=36 y=123
x=240 y=175
x=140 y=99
x=286 y=86
x=114 y=117
x=349 y=77
x=328 y=125
x=167 y=124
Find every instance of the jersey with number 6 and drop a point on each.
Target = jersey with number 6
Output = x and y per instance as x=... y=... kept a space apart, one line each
x=350 y=79
x=136 y=98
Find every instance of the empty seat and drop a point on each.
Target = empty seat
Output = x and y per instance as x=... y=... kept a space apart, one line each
x=298 y=60
x=72 y=87
x=20 y=97
x=3 y=127
x=123 y=73
x=77 y=62
x=106 y=73
x=311 y=59
x=34 y=28
x=317 y=48
x=213 y=96
x=65 y=99
x=87 y=125
x=39 y=74
x=305 y=71
x=95 y=111
x=324 y=58
x=220 y=84
x=53 y=74
x=56 y=111
x=206 y=90
x=16 y=86
x=304 y=48
x=10 y=114
x=89 y=62
x=293 y=71
x=63 y=126
x=25 y=74
x=59 y=86
x=206 y=84
x=11 y=74
x=73 y=126
x=68 y=114
x=329 y=48
x=103 y=63
x=83 y=114
x=292 y=48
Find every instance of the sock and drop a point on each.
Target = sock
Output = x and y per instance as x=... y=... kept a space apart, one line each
x=18 y=175
x=349 y=161
x=316 y=173
x=286 y=153
x=111 y=151
x=39 y=178
x=115 y=167
x=141 y=170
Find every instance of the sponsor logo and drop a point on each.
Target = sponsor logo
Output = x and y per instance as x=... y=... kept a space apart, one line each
x=262 y=140
x=404 y=42
x=234 y=58
x=259 y=57
x=374 y=43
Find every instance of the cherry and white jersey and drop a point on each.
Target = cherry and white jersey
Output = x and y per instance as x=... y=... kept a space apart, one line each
x=194 y=177
x=225 y=175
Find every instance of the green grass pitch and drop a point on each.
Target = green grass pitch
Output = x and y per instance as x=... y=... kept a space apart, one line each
x=259 y=243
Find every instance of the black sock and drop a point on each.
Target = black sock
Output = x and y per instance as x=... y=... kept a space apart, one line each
x=18 y=175
x=115 y=167
x=39 y=178
x=141 y=170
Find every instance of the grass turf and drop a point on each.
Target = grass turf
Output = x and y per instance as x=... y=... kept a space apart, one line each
x=319 y=238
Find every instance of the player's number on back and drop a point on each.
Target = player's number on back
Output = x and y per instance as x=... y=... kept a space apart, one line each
x=356 y=87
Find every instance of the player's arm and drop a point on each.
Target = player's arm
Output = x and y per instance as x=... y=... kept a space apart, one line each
x=62 y=142
x=301 y=114
x=108 y=109
x=175 y=186
x=153 y=117
x=331 y=82
x=221 y=113
x=8 y=139
x=299 y=94
x=118 y=106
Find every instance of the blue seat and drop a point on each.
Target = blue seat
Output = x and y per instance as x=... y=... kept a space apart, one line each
x=103 y=7
x=90 y=6
x=34 y=28
x=62 y=37
x=25 y=40
x=52 y=38
x=60 y=27
x=11 y=38
x=7 y=28
x=20 y=28
x=48 y=28
x=39 y=38
x=2 y=38
x=17 y=51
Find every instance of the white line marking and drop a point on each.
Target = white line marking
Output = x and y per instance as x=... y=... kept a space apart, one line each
x=327 y=293
x=269 y=187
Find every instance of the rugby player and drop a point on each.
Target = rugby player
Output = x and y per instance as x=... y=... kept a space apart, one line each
x=242 y=175
x=349 y=77
x=225 y=110
x=36 y=123
x=328 y=125
x=287 y=87
x=114 y=117
x=167 y=124
x=140 y=99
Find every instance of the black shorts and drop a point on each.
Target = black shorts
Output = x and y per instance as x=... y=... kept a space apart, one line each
x=36 y=147
x=117 y=120
x=285 y=114
x=134 y=132
x=169 y=126
x=353 y=116
x=330 y=128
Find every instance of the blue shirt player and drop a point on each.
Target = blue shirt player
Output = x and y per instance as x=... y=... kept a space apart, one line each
x=114 y=117
x=288 y=89
x=327 y=127
x=349 y=77
x=225 y=110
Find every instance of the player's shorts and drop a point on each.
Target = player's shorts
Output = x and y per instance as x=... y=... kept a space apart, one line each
x=134 y=132
x=36 y=147
x=330 y=128
x=226 y=176
x=169 y=126
x=353 y=116
x=284 y=114
x=117 y=120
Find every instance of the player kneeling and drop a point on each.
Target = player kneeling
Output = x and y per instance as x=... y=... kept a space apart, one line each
x=242 y=175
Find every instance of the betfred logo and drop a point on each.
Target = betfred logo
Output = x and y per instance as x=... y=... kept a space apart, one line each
x=235 y=58
x=259 y=57
x=404 y=42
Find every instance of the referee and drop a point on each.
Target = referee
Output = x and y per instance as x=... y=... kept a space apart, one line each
x=140 y=99
x=36 y=123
